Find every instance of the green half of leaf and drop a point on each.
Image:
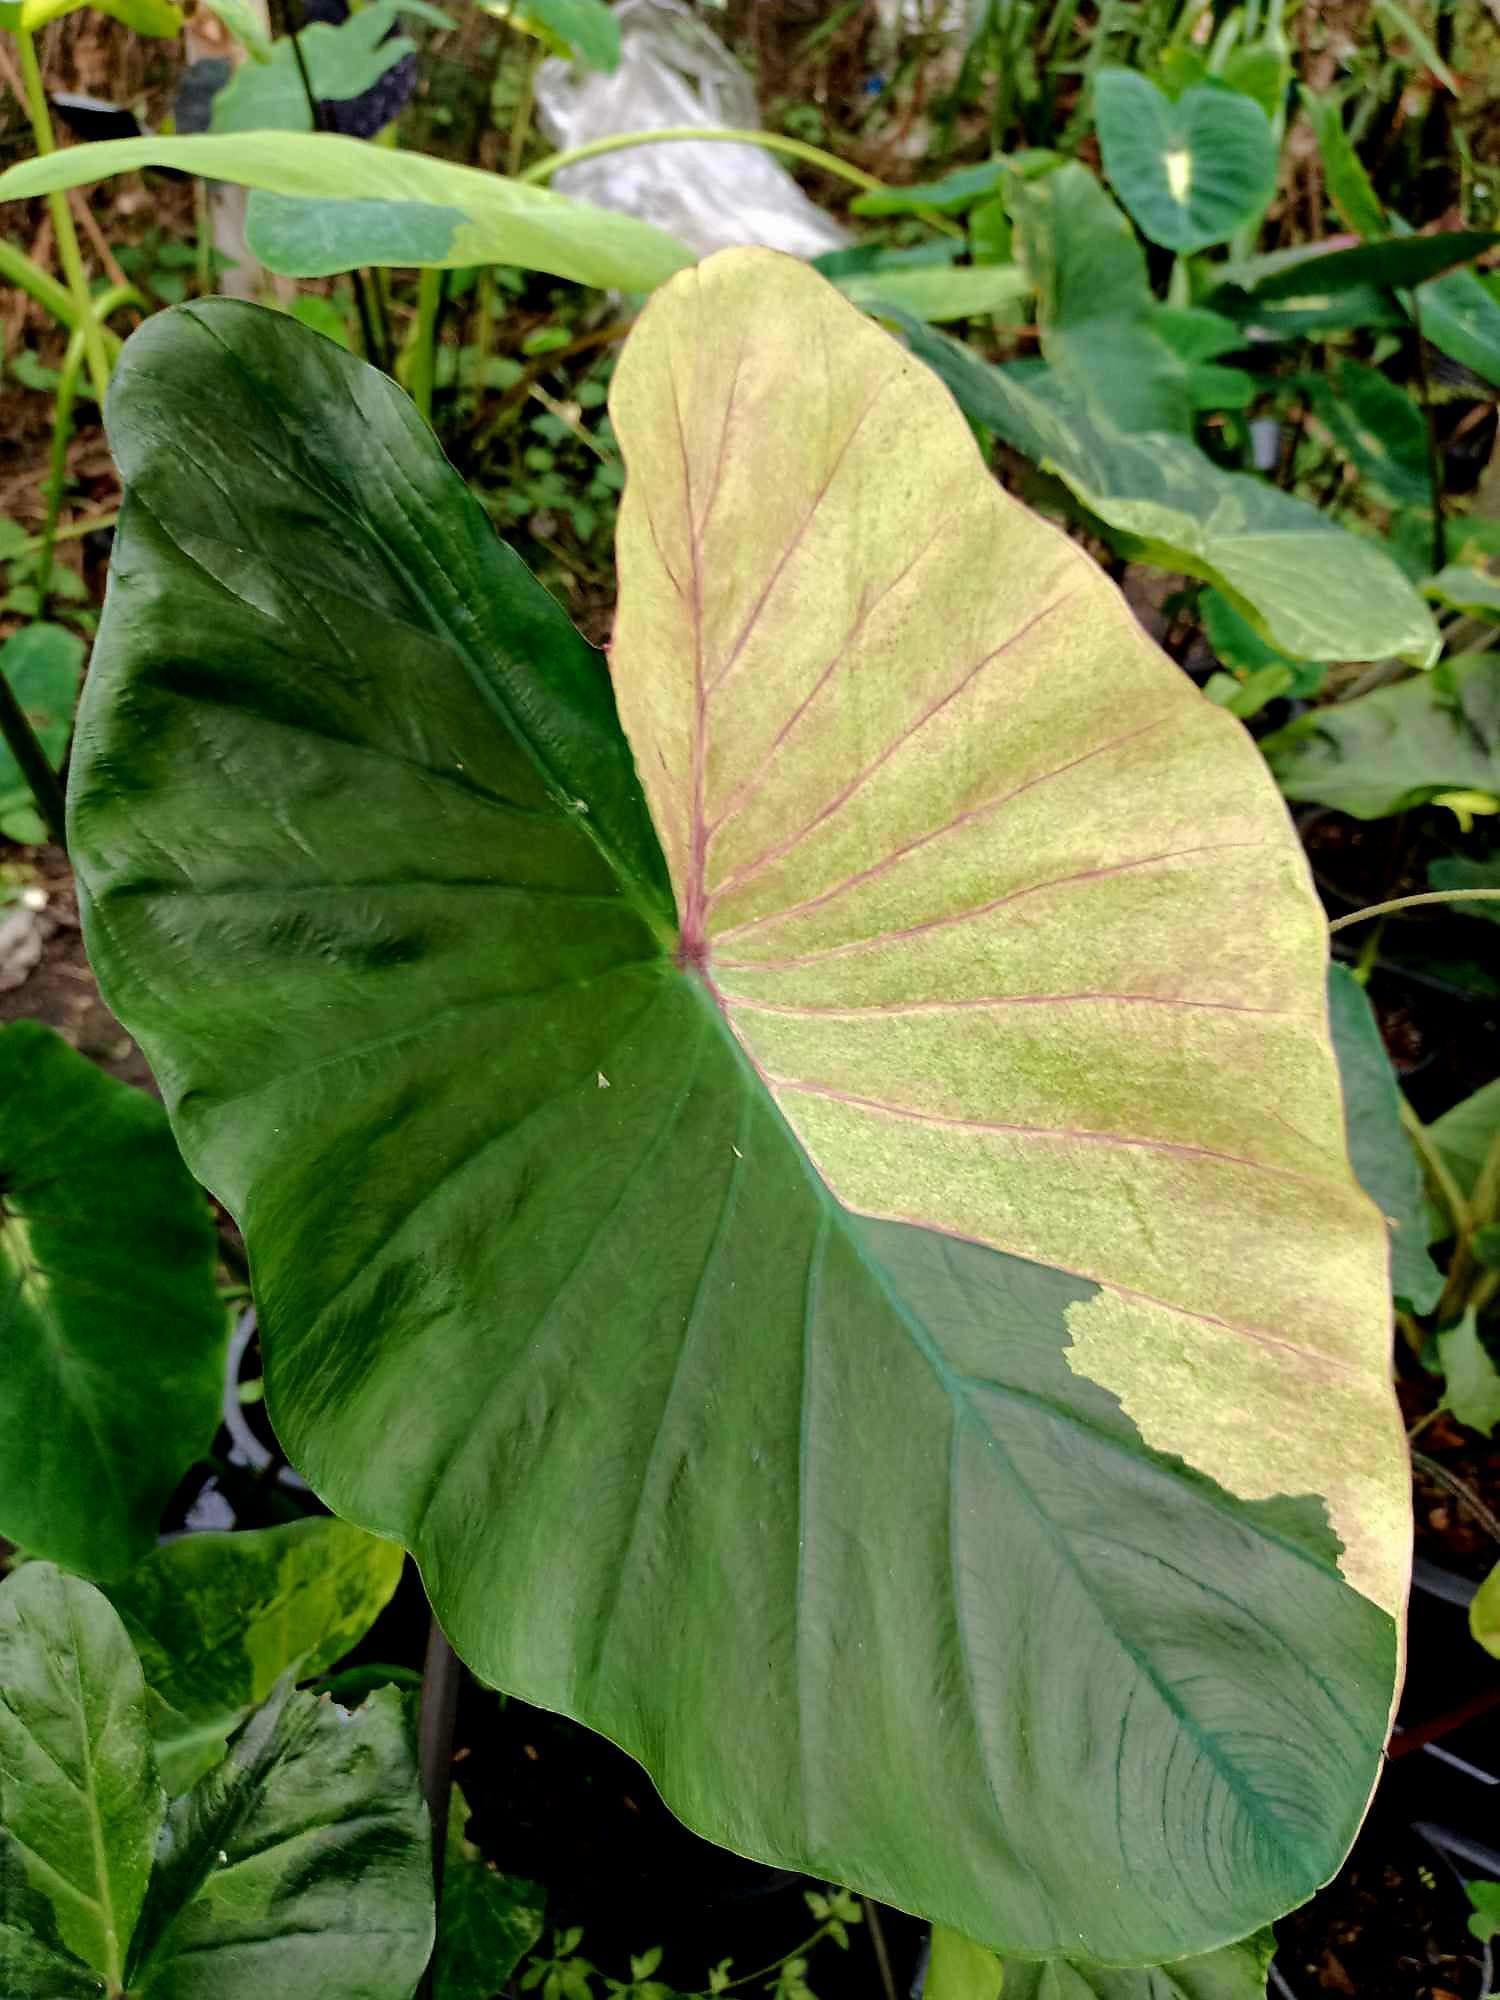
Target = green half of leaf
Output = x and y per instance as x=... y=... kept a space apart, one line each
x=859 y=1342
x=109 y=1317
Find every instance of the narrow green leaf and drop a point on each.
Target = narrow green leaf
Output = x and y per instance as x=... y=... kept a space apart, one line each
x=110 y=1321
x=300 y=1867
x=522 y=1346
x=1399 y=746
x=1379 y=1146
x=1403 y=23
x=1313 y=589
x=1472 y=1382
x=217 y=1620
x=953 y=194
x=489 y=1921
x=1397 y=264
x=939 y=291
x=1192 y=171
x=1349 y=187
x=366 y=204
x=79 y=1798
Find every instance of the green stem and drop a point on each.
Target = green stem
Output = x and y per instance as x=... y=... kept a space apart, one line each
x=17 y=269
x=73 y=532
x=85 y=318
x=1414 y=902
x=1438 y=1172
x=424 y=340
x=62 y=437
x=21 y=741
x=62 y=433
x=773 y=142
x=1483 y=1200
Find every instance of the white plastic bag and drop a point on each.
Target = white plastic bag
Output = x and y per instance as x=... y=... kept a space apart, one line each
x=675 y=71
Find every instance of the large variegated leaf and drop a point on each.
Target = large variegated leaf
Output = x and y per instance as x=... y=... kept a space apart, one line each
x=895 y=1344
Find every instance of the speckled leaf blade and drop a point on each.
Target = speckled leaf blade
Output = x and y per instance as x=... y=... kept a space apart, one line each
x=217 y=1620
x=596 y=1339
x=488 y=1921
x=300 y=1867
x=111 y=1322
x=79 y=1798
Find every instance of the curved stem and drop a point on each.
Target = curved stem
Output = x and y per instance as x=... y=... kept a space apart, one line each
x=70 y=255
x=1438 y=1171
x=442 y=1674
x=773 y=142
x=1414 y=902
x=21 y=740
x=1461 y=1492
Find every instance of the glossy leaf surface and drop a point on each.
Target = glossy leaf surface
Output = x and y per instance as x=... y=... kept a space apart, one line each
x=110 y=1320
x=80 y=1805
x=218 y=1619
x=1315 y=590
x=300 y=1867
x=615 y=1336
x=1191 y=171
x=346 y=201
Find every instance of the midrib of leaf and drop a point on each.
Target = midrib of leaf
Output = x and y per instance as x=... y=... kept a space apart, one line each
x=114 y=1967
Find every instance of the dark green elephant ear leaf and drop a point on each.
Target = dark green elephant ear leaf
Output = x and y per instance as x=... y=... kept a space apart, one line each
x=844 y=1324
x=110 y=1320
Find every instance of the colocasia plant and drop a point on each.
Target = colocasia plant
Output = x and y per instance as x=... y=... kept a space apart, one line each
x=801 y=1170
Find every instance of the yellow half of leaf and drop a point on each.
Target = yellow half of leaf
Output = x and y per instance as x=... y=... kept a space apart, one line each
x=1012 y=922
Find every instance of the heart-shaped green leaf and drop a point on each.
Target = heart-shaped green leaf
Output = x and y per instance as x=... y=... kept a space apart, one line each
x=347 y=202
x=1190 y=171
x=217 y=1620
x=110 y=1321
x=342 y=60
x=872 y=1307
